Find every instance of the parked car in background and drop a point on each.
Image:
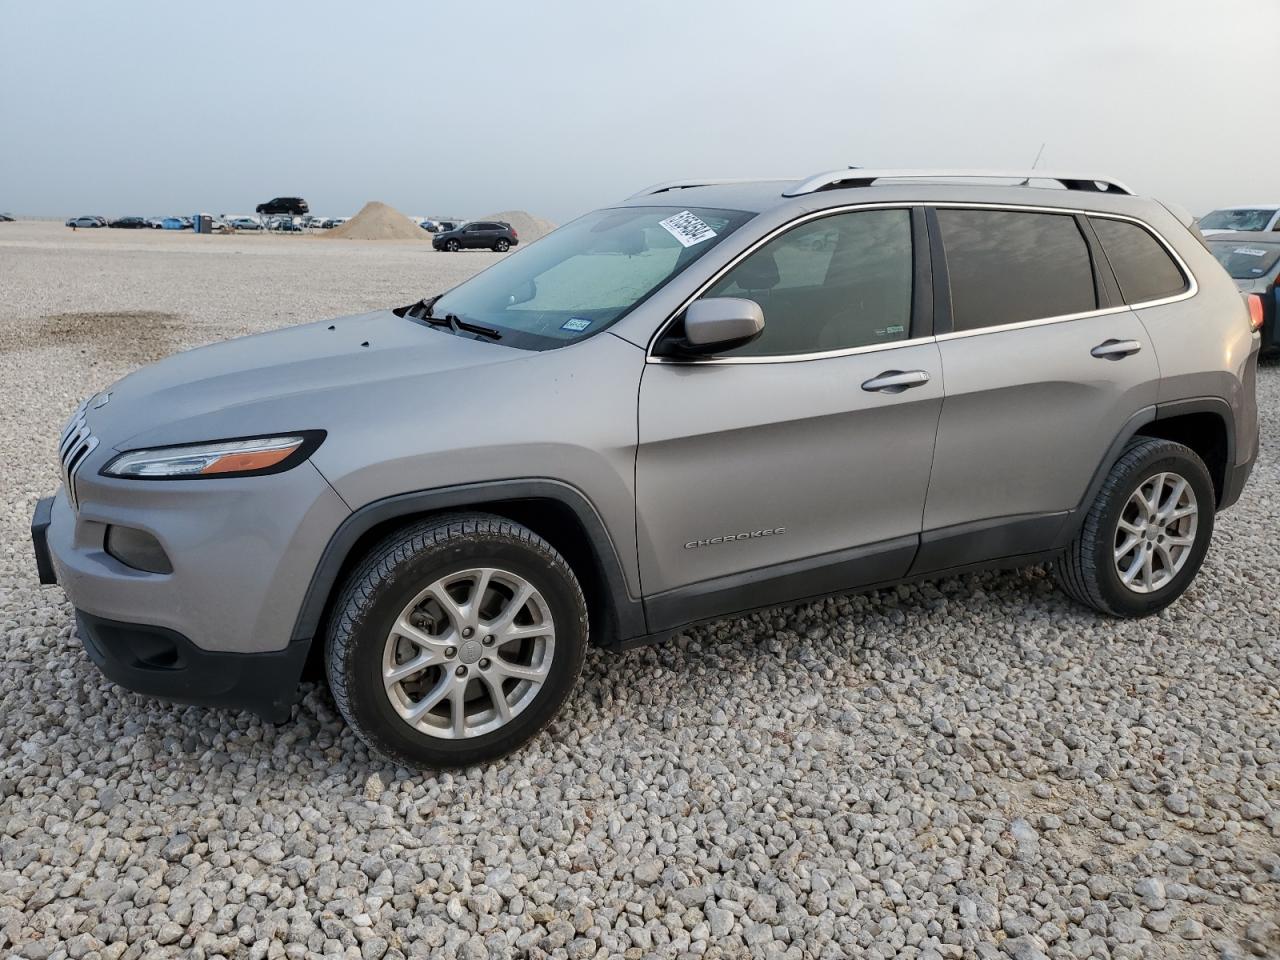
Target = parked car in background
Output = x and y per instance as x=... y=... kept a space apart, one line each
x=176 y=223
x=246 y=223
x=86 y=222
x=155 y=223
x=430 y=226
x=1247 y=219
x=493 y=235
x=6 y=218
x=294 y=206
x=128 y=223
x=691 y=408
x=443 y=226
x=284 y=225
x=1253 y=260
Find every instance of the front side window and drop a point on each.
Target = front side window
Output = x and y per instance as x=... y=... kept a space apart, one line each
x=582 y=278
x=1240 y=219
x=1008 y=266
x=1143 y=267
x=834 y=283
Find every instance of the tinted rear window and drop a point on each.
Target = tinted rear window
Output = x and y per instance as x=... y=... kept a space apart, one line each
x=1142 y=265
x=1007 y=267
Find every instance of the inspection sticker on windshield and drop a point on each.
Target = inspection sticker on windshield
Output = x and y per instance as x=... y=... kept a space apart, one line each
x=687 y=228
x=1250 y=251
x=576 y=324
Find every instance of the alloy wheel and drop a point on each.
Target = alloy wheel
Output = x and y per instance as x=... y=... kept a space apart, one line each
x=468 y=653
x=1156 y=532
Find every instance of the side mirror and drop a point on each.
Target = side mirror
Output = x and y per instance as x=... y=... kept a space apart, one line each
x=715 y=325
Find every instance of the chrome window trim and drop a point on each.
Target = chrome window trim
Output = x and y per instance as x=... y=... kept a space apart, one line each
x=1193 y=286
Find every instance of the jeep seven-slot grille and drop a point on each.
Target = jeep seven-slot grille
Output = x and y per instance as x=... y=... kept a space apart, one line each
x=76 y=444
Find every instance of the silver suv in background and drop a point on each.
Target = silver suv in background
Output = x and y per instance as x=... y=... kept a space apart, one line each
x=711 y=397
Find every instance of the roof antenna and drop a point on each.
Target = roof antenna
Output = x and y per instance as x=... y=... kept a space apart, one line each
x=1034 y=163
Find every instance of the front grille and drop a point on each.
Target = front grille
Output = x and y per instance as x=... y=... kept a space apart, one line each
x=74 y=446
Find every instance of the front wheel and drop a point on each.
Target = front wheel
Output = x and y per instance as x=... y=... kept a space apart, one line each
x=502 y=246
x=456 y=641
x=1146 y=534
x=452 y=246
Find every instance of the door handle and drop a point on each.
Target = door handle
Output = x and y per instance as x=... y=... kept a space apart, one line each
x=1115 y=349
x=895 y=381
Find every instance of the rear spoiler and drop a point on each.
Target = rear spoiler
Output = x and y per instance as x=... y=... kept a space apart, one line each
x=1183 y=216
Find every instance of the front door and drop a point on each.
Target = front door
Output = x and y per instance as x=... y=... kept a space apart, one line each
x=796 y=465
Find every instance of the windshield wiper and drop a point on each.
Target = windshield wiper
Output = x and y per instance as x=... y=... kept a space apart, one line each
x=453 y=321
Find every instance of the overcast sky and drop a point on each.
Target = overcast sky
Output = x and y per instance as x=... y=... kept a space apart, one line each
x=557 y=107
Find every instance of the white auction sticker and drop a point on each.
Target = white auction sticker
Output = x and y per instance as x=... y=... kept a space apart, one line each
x=687 y=228
x=1250 y=251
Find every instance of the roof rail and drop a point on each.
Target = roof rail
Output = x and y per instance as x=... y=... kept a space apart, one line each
x=687 y=184
x=857 y=177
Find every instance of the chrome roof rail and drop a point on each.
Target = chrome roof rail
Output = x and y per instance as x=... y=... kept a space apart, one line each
x=687 y=184
x=857 y=177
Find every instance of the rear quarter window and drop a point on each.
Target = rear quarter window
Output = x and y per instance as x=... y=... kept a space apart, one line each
x=1142 y=266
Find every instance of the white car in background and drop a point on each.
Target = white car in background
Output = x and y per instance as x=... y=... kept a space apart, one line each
x=1251 y=218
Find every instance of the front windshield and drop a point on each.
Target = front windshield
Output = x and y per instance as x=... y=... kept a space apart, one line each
x=1242 y=219
x=1246 y=261
x=587 y=275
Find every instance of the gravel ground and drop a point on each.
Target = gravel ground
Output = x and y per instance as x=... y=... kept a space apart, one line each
x=973 y=768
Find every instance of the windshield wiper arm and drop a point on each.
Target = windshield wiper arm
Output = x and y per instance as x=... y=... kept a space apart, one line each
x=453 y=321
x=459 y=324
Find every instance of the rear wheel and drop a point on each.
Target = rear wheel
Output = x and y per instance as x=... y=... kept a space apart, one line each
x=1146 y=534
x=502 y=246
x=456 y=641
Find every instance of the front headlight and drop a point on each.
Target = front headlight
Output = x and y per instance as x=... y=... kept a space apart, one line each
x=250 y=456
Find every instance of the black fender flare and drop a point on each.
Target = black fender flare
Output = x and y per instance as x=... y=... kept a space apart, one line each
x=1148 y=415
x=628 y=610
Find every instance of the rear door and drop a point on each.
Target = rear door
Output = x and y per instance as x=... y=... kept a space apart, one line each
x=1043 y=368
x=796 y=465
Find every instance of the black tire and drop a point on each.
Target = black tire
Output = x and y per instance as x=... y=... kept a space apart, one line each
x=1087 y=572
x=388 y=579
x=502 y=246
x=452 y=246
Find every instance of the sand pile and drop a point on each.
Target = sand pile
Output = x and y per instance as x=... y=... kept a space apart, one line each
x=528 y=227
x=377 y=221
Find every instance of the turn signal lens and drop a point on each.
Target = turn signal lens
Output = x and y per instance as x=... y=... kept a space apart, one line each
x=1255 y=312
x=257 y=455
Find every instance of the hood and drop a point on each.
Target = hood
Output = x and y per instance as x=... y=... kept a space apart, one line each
x=291 y=379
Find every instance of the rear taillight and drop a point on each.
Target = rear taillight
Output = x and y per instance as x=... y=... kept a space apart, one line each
x=514 y=234
x=1255 y=311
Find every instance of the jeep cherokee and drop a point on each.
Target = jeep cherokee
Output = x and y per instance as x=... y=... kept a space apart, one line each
x=709 y=398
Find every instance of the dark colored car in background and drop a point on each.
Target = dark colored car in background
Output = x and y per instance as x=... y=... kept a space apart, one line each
x=1253 y=260
x=479 y=235
x=294 y=206
x=128 y=223
x=6 y=218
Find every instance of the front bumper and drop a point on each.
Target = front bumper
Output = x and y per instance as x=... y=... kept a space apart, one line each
x=162 y=663
x=218 y=629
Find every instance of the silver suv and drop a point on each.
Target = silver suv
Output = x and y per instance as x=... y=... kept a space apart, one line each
x=712 y=397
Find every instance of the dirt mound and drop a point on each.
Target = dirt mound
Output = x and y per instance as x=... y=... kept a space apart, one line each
x=377 y=221
x=528 y=227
